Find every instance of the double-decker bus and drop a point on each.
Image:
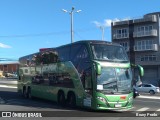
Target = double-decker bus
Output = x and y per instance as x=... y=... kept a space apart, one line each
x=92 y=74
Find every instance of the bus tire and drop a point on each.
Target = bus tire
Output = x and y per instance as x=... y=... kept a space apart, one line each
x=24 y=92
x=29 y=93
x=71 y=100
x=61 y=98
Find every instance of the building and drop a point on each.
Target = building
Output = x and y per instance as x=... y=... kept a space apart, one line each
x=141 y=39
x=9 y=67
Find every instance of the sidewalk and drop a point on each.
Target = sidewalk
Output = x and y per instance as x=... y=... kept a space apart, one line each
x=8 y=82
x=149 y=97
x=8 y=86
x=148 y=94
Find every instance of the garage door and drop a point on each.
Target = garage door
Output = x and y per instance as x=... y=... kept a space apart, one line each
x=150 y=75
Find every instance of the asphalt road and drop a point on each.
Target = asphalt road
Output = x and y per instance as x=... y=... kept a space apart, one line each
x=10 y=100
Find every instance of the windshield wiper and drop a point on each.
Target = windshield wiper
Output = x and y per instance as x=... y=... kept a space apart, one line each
x=110 y=85
x=107 y=83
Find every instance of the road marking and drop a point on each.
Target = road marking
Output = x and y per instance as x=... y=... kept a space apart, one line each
x=149 y=97
x=142 y=109
x=5 y=86
x=149 y=101
x=158 y=110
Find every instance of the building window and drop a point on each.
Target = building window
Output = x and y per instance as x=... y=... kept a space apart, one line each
x=121 y=33
x=125 y=45
x=144 y=45
x=144 y=28
x=144 y=31
x=149 y=58
x=5 y=66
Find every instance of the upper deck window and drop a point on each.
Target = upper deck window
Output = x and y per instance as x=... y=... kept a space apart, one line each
x=109 y=52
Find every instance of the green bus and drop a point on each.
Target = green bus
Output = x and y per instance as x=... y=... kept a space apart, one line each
x=93 y=74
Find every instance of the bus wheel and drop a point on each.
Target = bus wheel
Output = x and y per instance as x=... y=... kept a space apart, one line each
x=71 y=100
x=29 y=93
x=24 y=93
x=61 y=98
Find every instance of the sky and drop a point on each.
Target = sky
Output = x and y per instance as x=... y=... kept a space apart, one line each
x=28 y=25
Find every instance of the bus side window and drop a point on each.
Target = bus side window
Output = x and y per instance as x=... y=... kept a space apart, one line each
x=45 y=79
x=75 y=54
x=81 y=60
x=62 y=80
x=67 y=81
x=63 y=53
x=52 y=79
x=38 y=79
x=86 y=79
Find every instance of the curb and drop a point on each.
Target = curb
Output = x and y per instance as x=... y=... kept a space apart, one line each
x=149 y=97
x=6 y=86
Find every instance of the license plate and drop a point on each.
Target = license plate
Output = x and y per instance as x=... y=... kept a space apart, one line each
x=118 y=105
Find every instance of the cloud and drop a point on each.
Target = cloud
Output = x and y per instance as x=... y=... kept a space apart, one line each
x=98 y=24
x=107 y=22
x=127 y=18
x=4 y=46
x=115 y=20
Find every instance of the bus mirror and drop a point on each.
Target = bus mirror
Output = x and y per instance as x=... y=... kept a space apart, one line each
x=138 y=81
x=141 y=70
x=98 y=69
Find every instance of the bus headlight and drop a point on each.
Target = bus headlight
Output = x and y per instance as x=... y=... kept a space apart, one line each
x=101 y=99
x=130 y=99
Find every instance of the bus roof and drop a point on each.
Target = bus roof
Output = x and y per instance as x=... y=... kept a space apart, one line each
x=95 y=41
x=78 y=42
x=89 y=41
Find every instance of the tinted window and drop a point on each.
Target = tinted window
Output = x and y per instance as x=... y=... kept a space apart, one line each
x=45 y=57
x=147 y=85
x=63 y=53
x=139 y=85
x=109 y=52
x=80 y=59
x=54 y=79
x=143 y=85
x=61 y=80
x=79 y=53
x=38 y=79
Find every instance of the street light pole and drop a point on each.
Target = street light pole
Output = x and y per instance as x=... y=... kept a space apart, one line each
x=71 y=13
x=102 y=28
x=72 y=33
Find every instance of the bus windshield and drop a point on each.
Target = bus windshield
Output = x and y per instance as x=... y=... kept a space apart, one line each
x=109 y=52
x=115 y=80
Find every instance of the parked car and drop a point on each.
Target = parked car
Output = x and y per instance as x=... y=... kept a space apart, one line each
x=148 y=88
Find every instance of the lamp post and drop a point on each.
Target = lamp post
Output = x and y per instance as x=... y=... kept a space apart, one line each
x=71 y=13
x=102 y=28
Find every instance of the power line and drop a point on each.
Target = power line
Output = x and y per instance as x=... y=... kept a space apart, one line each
x=46 y=34
x=78 y=35
x=35 y=35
